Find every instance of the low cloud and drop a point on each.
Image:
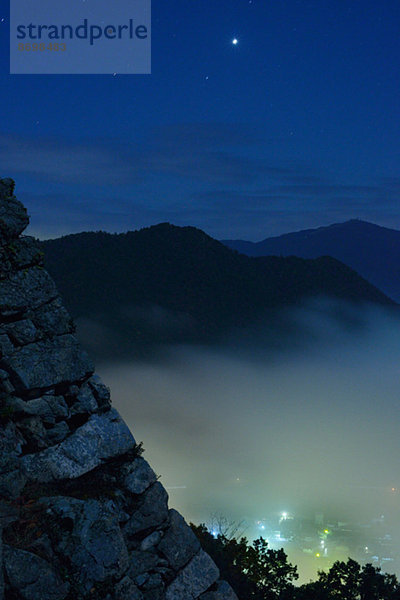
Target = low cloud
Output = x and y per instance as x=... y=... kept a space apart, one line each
x=308 y=425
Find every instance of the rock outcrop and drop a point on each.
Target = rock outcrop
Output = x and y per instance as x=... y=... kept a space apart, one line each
x=82 y=514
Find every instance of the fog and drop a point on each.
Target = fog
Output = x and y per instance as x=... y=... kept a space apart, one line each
x=257 y=426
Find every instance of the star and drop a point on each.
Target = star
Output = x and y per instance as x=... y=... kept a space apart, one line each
x=235 y=41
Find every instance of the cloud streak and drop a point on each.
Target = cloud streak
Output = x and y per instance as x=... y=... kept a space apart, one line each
x=190 y=173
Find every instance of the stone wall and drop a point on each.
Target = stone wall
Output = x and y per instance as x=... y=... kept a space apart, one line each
x=82 y=514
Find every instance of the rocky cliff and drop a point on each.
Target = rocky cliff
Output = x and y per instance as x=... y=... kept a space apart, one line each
x=82 y=514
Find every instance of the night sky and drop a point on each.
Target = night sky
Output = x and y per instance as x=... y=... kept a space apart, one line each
x=295 y=126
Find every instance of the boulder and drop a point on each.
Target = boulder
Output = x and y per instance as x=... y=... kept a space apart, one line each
x=22 y=332
x=85 y=401
x=127 y=590
x=139 y=476
x=26 y=289
x=48 y=408
x=90 y=539
x=58 y=433
x=26 y=252
x=179 y=544
x=101 y=438
x=153 y=587
x=48 y=363
x=223 y=592
x=152 y=513
x=57 y=405
x=34 y=432
x=13 y=216
x=141 y=562
x=39 y=407
x=150 y=541
x=194 y=579
x=53 y=319
x=31 y=577
x=101 y=391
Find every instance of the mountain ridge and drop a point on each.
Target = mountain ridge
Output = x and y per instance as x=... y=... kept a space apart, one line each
x=335 y=225
x=188 y=279
x=370 y=249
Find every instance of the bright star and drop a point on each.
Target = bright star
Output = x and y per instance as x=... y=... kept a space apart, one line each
x=235 y=41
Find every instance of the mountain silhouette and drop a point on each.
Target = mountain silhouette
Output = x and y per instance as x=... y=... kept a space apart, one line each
x=168 y=283
x=371 y=250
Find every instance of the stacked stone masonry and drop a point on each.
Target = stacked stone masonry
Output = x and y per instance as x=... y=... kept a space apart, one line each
x=82 y=514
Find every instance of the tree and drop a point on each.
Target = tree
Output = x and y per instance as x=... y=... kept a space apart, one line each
x=375 y=585
x=269 y=570
x=255 y=571
x=342 y=580
x=349 y=581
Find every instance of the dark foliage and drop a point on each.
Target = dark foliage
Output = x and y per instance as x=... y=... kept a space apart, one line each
x=168 y=283
x=349 y=581
x=254 y=571
x=259 y=573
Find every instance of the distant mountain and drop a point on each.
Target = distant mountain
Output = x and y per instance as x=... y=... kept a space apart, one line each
x=371 y=250
x=167 y=283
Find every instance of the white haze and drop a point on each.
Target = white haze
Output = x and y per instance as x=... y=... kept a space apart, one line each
x=311 y=427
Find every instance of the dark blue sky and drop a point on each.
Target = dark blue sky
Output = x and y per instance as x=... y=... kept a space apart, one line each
x=297 y=126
